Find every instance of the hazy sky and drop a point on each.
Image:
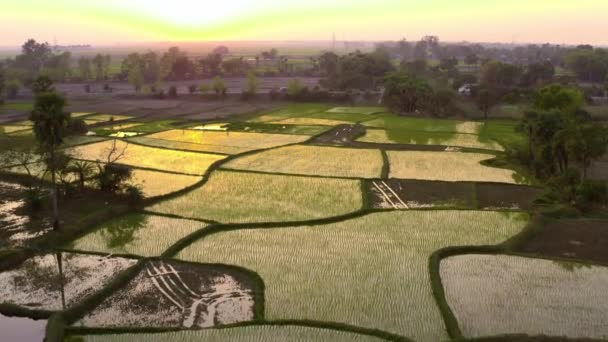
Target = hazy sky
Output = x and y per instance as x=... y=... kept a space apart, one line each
x=111 y=21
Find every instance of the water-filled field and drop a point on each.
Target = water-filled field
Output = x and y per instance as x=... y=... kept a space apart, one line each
x=500 y=294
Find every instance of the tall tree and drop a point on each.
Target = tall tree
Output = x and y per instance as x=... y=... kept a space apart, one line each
x=34 y=55
x=84 y=68
x=136 y=78
x=50 y=122
x=406 y=93
x=252 y=83
x=98 y=65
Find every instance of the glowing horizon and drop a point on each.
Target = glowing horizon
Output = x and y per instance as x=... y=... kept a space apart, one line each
x=111 y=21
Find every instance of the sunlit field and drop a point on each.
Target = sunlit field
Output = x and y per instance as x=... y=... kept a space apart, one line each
x=446 y=166
x=313 y=160
x=228 y=142
x=230 y=197
x=147 y=157
x=426 y=138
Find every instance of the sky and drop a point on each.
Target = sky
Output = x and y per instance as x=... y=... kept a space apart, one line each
x=107 y=22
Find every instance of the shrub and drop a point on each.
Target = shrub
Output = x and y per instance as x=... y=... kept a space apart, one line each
x=134 y=194
x=112 y=177
x=77 y=126
x=12 y=89
x=294 y=87
x=590 y=193
x=34 y=198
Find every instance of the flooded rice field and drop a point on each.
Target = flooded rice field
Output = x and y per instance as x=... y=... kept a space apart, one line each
x=16 y=226
x=21 y=329
x=419 y=194
x=499 y=294
x=57 y=281
x=179 y=295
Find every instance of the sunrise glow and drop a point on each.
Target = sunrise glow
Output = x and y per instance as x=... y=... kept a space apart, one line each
x=74 y=21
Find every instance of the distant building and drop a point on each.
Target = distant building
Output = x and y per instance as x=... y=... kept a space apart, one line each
x=466 y=89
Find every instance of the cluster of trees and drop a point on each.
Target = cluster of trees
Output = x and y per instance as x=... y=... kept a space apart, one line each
x=94 y=69
x=589 y=64
x=563 y=142
x=36 y=59
x=150 y=68
x=355 y=70
x=51 y=125
x=409 y=93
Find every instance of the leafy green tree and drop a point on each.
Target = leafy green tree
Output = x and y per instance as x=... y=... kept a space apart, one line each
x=211 y=65
x=50 y=122
x=486 y=99
x=107 y=62
x=12 y=88
x=136 y=78
x=84 y=68
x=42 y=84
x=2 y=84
x=556 y=97
x=252 y=83
x=98 y=66
x=204 y=88
x=34 y=55
x=406 y=93
x=588 y=64
x=219 y=87
x=83 y=169
x=294 y=87
x=586 y=142
x=58 y=67
x=471 y=59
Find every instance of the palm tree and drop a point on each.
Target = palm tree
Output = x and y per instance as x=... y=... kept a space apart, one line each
x=83 y=169
x=50 y=122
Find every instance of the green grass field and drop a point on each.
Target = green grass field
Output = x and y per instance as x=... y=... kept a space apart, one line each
x=246 y=197
x=369 y=271
x=316 y=114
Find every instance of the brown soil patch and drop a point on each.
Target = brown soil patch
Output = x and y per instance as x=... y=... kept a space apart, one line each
x=510 y=196
x=412 y=194
x=578 y=239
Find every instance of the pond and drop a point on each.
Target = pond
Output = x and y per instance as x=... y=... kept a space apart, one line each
x=21 y=329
